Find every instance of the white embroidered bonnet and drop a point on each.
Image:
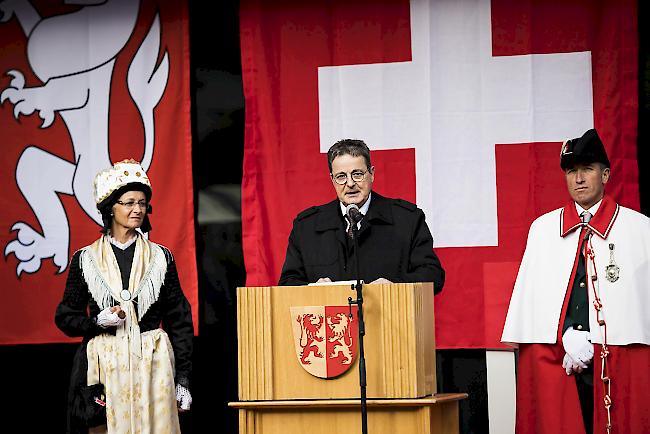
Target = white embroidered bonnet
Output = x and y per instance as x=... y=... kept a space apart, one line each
x=122 y=173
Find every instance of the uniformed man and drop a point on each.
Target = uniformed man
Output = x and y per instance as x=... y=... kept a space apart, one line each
x=579 y=308
x=394 y=241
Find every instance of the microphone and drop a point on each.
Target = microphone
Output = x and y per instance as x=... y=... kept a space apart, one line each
x=353 y=213
x=354 y=216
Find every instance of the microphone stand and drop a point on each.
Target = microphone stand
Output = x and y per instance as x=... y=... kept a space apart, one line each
x=362 y=329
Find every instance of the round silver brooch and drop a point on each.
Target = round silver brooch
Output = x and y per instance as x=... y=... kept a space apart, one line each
x=611 y=272
x=125 y=294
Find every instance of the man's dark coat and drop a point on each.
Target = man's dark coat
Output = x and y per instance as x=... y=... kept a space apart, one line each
x=394 y=243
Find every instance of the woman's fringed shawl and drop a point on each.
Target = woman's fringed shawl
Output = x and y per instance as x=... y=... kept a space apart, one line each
x=102 y=274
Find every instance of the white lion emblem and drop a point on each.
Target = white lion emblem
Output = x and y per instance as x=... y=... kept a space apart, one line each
x=73 y=55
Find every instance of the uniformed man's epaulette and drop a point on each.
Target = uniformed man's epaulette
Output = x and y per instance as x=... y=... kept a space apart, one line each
x=307 y=213
x=405 y=204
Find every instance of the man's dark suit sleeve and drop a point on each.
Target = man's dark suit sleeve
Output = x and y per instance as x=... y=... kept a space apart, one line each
x=424 y=265
x=293 y=270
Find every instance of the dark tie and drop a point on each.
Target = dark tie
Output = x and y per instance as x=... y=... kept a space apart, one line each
x=349 y=230
x=585 y=216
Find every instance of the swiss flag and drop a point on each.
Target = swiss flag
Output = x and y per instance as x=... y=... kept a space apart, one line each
x=465 y=104
x=86 y=86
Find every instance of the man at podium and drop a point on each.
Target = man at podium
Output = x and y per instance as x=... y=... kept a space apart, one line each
x=394 y=241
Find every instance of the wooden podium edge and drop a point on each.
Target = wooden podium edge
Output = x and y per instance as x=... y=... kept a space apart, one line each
x=440 y=398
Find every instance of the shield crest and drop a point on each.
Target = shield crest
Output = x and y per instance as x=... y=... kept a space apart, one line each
x=325 y=338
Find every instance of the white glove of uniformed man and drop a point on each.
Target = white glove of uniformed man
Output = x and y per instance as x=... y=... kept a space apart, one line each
x=571 y=366
x=183 y=397
x=109 y=317
x=576 y=344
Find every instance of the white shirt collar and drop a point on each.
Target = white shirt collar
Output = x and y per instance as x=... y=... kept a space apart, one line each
x=122 y=246
x=591 y=210
x=363 y=209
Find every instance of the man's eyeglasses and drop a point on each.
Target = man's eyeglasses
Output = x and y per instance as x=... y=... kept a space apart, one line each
x=356 y=175
x=130 y=204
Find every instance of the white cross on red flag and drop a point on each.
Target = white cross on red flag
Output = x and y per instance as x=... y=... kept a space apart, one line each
x=465 y=105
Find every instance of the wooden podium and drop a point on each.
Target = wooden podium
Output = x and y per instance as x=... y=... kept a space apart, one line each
x=277 y=395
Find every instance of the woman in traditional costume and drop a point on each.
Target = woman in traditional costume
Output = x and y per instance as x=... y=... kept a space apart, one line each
x=119 y=291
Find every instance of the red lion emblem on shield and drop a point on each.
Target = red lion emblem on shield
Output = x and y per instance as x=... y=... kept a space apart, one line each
x=341 y=336
x=310 y=325
x=325 y=338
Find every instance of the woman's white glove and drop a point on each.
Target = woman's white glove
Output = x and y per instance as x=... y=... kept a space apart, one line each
x=109 y=317
x=576 y=344
x=183 y=397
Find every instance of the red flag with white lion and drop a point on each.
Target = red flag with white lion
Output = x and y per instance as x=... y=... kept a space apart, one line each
x=85 y=84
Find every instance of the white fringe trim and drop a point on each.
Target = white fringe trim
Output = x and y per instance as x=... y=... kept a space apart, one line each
x=147 y=292
x=149 y=289
x=168 y=253
x=97 y=286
